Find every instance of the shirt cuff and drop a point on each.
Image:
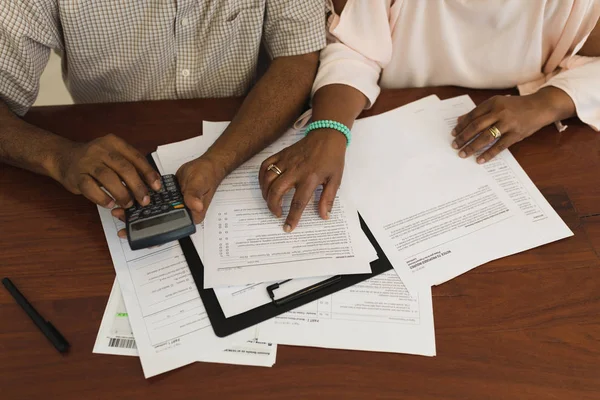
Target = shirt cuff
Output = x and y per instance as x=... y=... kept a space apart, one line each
x=361 y=75
x=580 y=85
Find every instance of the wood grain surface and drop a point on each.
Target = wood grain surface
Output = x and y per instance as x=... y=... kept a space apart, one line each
x=522 y=327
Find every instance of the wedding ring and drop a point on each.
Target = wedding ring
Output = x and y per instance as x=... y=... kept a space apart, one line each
x=274 y=168
x=495 y=132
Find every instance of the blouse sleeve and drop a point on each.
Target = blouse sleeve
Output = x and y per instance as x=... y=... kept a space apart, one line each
x=359 y=47
x=576 y=75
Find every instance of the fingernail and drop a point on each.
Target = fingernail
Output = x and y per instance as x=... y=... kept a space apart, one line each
x=156 y=184
x=287 y=228
x=454 y=132
x=328 y=215
x=462 y=154
x=122 y=234
x=145 y=201
x=480 y=161
x=111 y=204
x=454 y=145
x=130 y=204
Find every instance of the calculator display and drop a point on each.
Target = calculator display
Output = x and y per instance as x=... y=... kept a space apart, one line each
x=147 y=223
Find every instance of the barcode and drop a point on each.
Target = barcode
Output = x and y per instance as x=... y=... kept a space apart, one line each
x=122 y=343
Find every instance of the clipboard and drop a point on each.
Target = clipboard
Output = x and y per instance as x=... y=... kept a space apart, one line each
x=223 y=326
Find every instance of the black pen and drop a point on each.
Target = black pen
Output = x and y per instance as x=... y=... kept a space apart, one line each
x=46 y=327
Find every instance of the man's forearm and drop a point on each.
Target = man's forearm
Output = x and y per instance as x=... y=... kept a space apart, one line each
x=268 y=110
x=29 y=147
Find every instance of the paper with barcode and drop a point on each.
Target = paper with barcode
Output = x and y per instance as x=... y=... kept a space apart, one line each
x=164 y=310
x=116 y=337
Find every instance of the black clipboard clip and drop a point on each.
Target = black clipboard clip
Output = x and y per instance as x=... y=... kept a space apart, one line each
x=302 y=292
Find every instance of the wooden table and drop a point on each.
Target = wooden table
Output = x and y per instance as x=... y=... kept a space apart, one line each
x=523 y=327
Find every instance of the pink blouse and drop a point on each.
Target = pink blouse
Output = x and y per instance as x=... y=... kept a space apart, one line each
x=478 y=44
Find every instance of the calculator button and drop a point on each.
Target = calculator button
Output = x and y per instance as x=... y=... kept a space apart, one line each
x=146 y=213
x=179 y=206
x=164 y=207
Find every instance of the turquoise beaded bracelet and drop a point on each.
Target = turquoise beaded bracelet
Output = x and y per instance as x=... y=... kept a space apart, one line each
x=329 y=124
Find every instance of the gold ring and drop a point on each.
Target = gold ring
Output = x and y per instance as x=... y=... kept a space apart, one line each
x=495 y=132
x=274 y=168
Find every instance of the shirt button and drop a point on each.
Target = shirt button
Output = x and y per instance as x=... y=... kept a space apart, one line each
x=185 y=72
x=184 y=22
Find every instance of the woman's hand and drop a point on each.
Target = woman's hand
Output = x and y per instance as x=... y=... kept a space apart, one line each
x=317 y=159
x=516 y=117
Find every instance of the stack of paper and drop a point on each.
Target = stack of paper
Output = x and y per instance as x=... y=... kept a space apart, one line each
x=435 y=216
x=247 y=244
x=155 y=311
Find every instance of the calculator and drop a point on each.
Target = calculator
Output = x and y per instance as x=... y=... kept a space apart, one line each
x=165 y=219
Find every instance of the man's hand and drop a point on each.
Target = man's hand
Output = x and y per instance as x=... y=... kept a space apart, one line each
x=516 y=117
x=199 y=180
x=317 y=159
x=83 y=168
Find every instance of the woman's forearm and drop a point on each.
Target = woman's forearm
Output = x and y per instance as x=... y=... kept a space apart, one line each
x=341 y=103
x=557 y=104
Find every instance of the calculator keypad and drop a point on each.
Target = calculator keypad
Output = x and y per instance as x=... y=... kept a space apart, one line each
x=164 y=200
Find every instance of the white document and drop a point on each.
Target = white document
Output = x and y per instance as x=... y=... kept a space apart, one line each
x=378 y=314
x=537 y=222
x=422 y=202
x=244 y=243
x=174 y=155
x=116 y=337
x=165 y=311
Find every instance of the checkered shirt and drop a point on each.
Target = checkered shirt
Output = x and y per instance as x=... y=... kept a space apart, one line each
x=131 y=50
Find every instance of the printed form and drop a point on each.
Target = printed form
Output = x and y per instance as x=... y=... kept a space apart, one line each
x=245 y=244
x=116 y=337
x=378 y=314
x=463 y=214
x=429 y=203
x=165 y=311
x=537 y=222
